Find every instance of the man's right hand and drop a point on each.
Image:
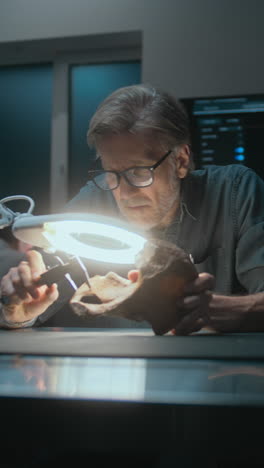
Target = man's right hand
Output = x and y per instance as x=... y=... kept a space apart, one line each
x=26 y=300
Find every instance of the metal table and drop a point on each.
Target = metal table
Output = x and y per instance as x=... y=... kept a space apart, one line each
x=127 y=396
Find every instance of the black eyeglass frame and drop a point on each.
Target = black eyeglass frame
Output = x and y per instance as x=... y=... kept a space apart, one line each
x=93 y=173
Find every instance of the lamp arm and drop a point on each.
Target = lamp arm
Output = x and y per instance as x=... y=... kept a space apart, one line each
x=7 y=216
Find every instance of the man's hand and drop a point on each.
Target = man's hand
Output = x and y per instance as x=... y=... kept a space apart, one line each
x=26 y=300
x=192 y=309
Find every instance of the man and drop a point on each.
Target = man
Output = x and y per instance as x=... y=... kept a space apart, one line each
x=142 y=139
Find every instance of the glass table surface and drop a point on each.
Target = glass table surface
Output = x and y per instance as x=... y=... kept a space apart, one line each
x=179 y=379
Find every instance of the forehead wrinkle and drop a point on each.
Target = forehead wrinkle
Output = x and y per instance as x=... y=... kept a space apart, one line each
x=131 y=150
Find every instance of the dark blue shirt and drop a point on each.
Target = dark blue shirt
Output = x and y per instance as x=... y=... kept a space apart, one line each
x=220 y=223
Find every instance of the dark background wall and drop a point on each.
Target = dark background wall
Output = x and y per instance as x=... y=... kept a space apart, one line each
x=190 y=47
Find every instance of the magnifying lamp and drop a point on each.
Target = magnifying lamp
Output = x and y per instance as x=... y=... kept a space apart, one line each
x=94 y=237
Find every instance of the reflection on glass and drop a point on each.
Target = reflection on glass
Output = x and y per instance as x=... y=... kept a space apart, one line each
x=120 y=379
x=110 y=378
x=176 y=381
x=19 y=374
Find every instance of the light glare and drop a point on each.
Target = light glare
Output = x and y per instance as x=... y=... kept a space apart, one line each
x=60 y=235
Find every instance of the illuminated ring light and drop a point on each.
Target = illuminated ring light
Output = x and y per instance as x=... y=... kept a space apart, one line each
x=63 y=232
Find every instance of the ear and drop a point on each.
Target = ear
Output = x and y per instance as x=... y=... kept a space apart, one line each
x=183 y=161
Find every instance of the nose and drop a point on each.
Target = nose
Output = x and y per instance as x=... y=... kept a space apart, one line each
x=125 y=189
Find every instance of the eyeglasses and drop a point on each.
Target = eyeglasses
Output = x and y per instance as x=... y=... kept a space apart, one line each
x=138 y=176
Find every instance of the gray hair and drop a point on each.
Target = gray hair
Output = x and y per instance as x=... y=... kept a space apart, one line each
x=142 y=109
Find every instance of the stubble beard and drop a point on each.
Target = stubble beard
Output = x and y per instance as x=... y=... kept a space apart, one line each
x=160 y=215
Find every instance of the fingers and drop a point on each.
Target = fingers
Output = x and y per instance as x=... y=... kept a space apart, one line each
x=36 y=263
x=23 y=300
x=203 y=282
x=19 y=283
x=23 y=281
x=193 y=308
x=48 y=296
x=186 y=304
x=28 y=309
x=190 y=324
x=191 y=302
x=193 y=316
x=11 y=287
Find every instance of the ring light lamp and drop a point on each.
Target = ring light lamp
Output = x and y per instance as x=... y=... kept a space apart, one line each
x=94 y=237
x=98 y=238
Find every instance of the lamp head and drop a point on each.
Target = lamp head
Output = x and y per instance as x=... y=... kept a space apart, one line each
x=98 y=238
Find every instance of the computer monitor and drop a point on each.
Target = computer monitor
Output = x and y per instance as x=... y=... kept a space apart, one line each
x=227 y=130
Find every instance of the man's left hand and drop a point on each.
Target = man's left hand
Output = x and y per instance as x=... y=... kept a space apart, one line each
x=192 y=309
